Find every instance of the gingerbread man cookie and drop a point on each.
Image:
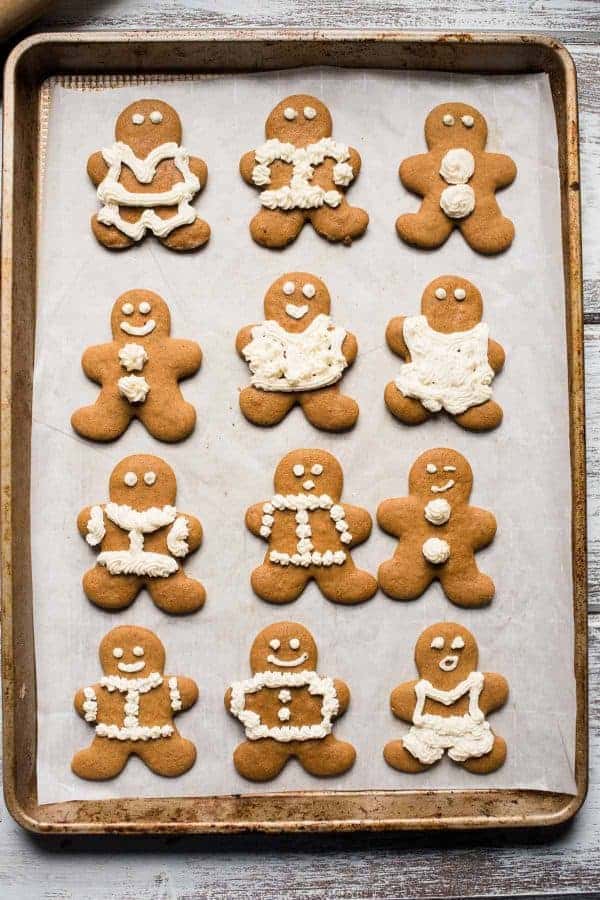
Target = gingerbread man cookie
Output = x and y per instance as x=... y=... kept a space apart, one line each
x=297 y=355
x=310 y=533
x=458 y=180
x=439 y=533
x=142 y=539
x=302 y=173
x=287 y=708
x=447 y=706
x=450 y=360
x=132 y=709
x=146 y=181
x=138 y=372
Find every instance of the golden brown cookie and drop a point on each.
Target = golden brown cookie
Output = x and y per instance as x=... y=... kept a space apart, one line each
x=142 y=539
x=450 y=358
x=146 y=181
x=439 y=533
x=287 y=709
x=310 y=533
x=447 y=706
x=302 y=174
x=138 y=372
x=458 y=181
x=132 y=709
x=297 y=356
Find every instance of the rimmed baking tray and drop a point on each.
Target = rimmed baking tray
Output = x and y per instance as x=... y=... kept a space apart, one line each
x=106 y=54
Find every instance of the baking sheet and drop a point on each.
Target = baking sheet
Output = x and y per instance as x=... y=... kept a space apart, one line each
x=521 y=470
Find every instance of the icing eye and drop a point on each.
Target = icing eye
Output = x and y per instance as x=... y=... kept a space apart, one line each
x=288 y=288
x=309 y=291
x=149 y=478
x=290 y=113
x=118 y=652
x=460 y=294
x=458 y=643
x=431 y=468
x=310 y=112
x=449 y=468
x=308 y=485
x=317 y=469
x=144 y=307
x=127 y=309
x=448 y=119
x=275 y=644
x=138 y=651
x=130 y=479
x=137 y=119
x=437 y=643
x=468 y=121
x=156 y=117
x=298 y=470
x=294 y=643
x=440 y=293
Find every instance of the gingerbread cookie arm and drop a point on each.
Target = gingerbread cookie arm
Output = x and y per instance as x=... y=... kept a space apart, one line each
x=482 y=527
x=350 y=348
x=503 y=169
x=396 y=515
x=496 y=355
x=403 y=700
x=187 y=688
x=416 y=173
x=195 y=533
x=253 y=518
x=355 y=161
x=199 y=169
x=93 y=360
x=97 y=168
x=394 y=335
x=188 y=356
x=244 y=336
x=343 y=694
x=247 y=163
x=78 y=701
x=84 y=517
x=359 y=523
x=495 y=692
x=227 y=701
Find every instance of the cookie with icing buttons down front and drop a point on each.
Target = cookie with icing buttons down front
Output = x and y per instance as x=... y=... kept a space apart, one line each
x=139 y=373
x=297 y=356
x=447 y=706
x=457 y=179
x=450 y=360
x=287 y=708
x=310 y=533
x=302 y=173
x=438 y=531
x=146 y=181
x=132 y=709
x=142 y=538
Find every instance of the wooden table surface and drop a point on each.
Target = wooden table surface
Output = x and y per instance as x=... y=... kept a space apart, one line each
x=566 y=862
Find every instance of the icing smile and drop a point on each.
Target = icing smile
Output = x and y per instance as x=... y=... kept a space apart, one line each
x=131 y=667
x=296 y=312
x=448 y=663
x=439 y=489
x=287 y=663
x=138 y=330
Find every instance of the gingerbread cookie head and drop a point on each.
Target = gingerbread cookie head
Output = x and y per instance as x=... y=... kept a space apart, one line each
x=283 y=647
x=143 y=481
x=443 y=474
x=131 y=652
x=451 y=304
x=146 y=124
x=310 y=472
x=455 y=125
x=299 y=120
x=295 y=300
x=445 y=654
x=140 y=314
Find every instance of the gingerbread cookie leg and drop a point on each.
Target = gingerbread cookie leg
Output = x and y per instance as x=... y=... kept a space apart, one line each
x=326 y=757
x=104 y=420
x=188 y=237
x=277 y=584
x=407 y=409
x=484 y=417
x=486 y=230
x=465 y=585
x=260 y=760
x=397 y=756
x=406 y=576
x=166 y=415
x=329 y=410
x=101 y=760
x=341 y=223
x=111 y=592
x=174 y=757
x=265 y=407
x=178 y=594
x=429 y=228
x=110 y=236
x=275 y=229
x=346 y=585
x=483 y=765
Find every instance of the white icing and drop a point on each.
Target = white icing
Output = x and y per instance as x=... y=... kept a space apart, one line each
x=90 y=704
x=437 y=643
x=282 y=361
x=275 y=644
x=137 y=523
x=308 y=485
x=139 y=330
x=449 y=468
x=290 y=113
x=458 y=643
x=137 y=119
x=317 y=685
x=458 y=201
x=287 y=663
x=447 y=119
x=118 y=652
x=156 y=117
x=294 y=643
x=431 y=468
x=301 y=193
x=284 y=714
x=298 y=470
x=440 y=293
x=138 y=651
x=448 y=663
x=95 y=526
x=317 y=469
x=131 y=730
x=131 y=667
x=133 y=357
x=288 y=287
x=113 y=195
x=457 y=166
x=468 y=121
x=144 y=307
x=464 y=737
x=284 y=695
x=174 y=694
x=446 y=371
x=460 y=294
x=436 y=551
x=437 y=511
x=440 y=488
x=306 y=555
x=149 y=478
x=310 y=112
x=127 y=309
x=130 y=479
x=177 y=537
x=296 y=312
x=134 y=388
x=309 y=290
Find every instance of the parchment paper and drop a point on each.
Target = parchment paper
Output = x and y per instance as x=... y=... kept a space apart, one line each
x=521 y=470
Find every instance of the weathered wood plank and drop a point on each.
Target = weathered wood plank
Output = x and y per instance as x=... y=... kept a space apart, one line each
x=592 y=379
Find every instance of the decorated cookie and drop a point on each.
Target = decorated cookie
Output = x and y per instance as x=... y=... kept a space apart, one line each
x=287 y=708
x=132 y=709
x=142 y=539
x=146 y=181
x=138 y=372
x=310 y=533
x=447 y=706
x=450 y=360
x=297 y=355
x=458 y=181
x=439 y=533
x=302 y=174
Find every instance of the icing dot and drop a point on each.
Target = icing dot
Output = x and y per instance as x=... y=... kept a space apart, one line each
x=294 y=643
x=309 y=291
x=310 y=112
x=127 y=309
x=275 y=644
x=460 y=294
x=298 y=470
x=468 y=121
x=289 y=287
x=137 y=119
x=130 y=479
x=156 y=117
x=290 y=113
x=144 y=307
x=458 y=643
x=138 y=651
x=149 y=478
x=431 y=468
x=118 y=652
x=317 y=469
x=283 y=714
x=440 y=293
x=448 y=119
x=308 y=485
x=437 y=643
